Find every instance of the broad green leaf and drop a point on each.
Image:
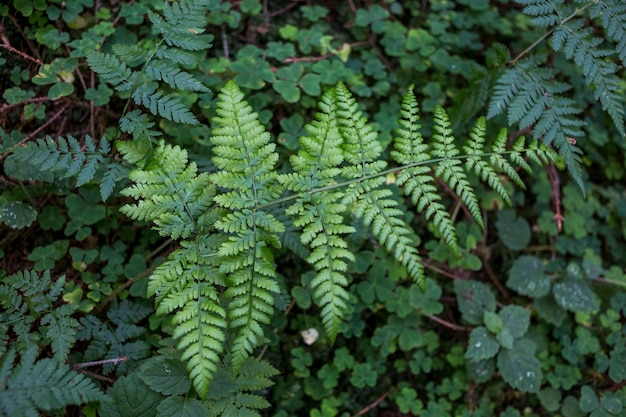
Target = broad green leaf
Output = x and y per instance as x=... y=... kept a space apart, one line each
x=550 y=398
x=513 y=231
x=482 y=345
x=164 y=375
x=60 y=90
x=516 y=319
x=130 y=397
x=481 y=370
x=288 y=90
x=576 y=296
x=474 y=299
x=427 y=301
x=17 y=215
x=519 y=367
x=527 y=277
x=493 y=321
x=549 y=310
x=180 y=407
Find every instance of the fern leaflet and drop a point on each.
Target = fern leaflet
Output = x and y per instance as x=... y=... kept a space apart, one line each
x=319 y=212
x=449 y=169
x=417 y=180
x=41 y=385
x=247 y=174
x=178 y=200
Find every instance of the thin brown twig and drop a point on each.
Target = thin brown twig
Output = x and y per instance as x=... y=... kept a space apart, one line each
x=448 y=324
x=556 y=195
x=283 y=10
x=372 y=405
x=495 y=280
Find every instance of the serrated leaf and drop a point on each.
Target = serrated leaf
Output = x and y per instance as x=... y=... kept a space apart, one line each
x=481 y=370
x=519 y=367
x=516 y=319
x=482 y=345
x=164 y=375
x=181 y=407
x=527 y=277
x=474 y=299
x=576 y=296
x=129 y=396
x=17 y=215
x=512 y=230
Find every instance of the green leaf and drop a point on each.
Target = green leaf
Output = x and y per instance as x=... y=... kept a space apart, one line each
x=493 y=322
x=288 y=90
x=550 y=398
x=576 y=296
x=165 y=375
x=60 y=90
x=519 y=367
x=181 y=407
x=17 y=215
x=482 y=345
x=474 y=299
x=588 y=399
x=527 y=277
x=512 y=230
x=481 y=370
x=516 y=319
x=129 y=396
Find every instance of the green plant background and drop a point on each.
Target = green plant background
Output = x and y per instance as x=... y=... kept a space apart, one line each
x=528 y=319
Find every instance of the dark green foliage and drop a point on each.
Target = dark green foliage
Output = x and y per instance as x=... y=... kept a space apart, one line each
x=267 y=190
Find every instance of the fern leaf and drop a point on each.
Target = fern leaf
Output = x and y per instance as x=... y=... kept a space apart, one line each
x=174 y=77
x=44 y=385
x=500 y=163
x=319 y=212
x=481 y=168
x=449 y=169
x=417 y=179
x=171 y=193
x=114 y=173
x=579 y=45
x=137 y=124
x=372 y=202
x=246 y=160
x=612 y=15
x=111 y=70
x=164 y=105
x=235 y=396
x=544 y=13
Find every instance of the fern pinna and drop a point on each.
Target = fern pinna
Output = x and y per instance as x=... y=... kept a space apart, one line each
x=533 y=96
x=221 y=283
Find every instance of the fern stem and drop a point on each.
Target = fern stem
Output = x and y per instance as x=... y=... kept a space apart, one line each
x=548 y=33
x=386 y=172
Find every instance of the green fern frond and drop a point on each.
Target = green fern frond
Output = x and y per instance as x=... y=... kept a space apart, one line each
x=172 y=194
x=612 y=15
x=183 y=23
x=238 y=396
x=137 y=124
x=449 y=168
x=544 y=13
x=65 y=156
x=499 y=162
x=110 y=69
x=168 y=72
x=417 y=179
x=26 y=298
x=374 y=204
x=33 y=385
x=319 y=212
x=246 y=160
x=474 y=150
x=163 y=104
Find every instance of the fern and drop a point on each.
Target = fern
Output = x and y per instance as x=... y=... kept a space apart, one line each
x=236 y=396
x=612 y=15
x=177 y=200
x=40 y=385
x=66 y=158
x=411 y=151
x=319 y=211
x=28 y=298
x=221 y=283
x=247 y=175
x=533 y=99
